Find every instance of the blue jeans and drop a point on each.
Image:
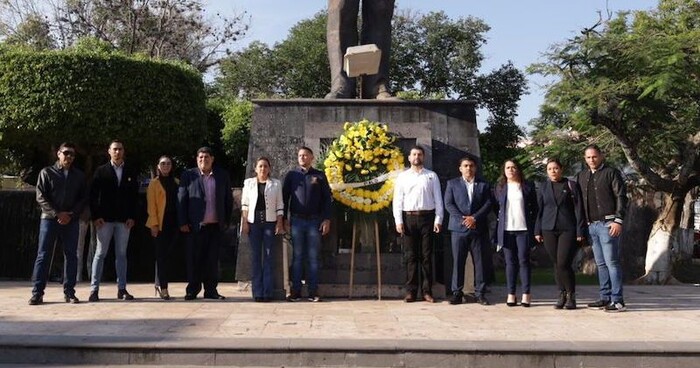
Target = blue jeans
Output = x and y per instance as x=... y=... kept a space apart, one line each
x=262 y=240
x=606 y=251
x=306 y=241
x=49 y=231
x=104 y=238
x=516 y=251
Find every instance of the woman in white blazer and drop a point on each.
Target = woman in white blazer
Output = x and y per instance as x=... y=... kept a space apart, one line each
x=261 y=220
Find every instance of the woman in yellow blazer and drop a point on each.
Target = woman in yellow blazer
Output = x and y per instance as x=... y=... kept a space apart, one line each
x=162 y=219
x=261 y=220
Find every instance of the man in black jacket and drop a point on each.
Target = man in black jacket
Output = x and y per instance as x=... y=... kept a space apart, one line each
x=605 y=203
x=61 y=193
x=113 y=205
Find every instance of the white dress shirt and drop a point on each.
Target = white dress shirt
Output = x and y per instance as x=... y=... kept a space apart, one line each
x=417 y=191
x=515 y=209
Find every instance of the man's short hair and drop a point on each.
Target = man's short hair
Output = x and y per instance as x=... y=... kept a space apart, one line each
x=592 y=146
x=306 y=149
x=113 y=141
x=66 y=145
x=468 y=158
x=206 y=150
x=417 y=147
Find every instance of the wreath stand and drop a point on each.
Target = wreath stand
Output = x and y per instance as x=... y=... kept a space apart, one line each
x=379 y=260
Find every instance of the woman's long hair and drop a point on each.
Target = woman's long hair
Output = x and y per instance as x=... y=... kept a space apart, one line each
x=502 y=180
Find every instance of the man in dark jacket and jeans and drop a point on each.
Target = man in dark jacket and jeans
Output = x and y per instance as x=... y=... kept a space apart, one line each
x=605 y=203
x=113 y=204
x=61 y=193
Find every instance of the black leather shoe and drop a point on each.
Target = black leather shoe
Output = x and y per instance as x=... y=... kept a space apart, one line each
x=600 y=303
x=469 y=298
x=570 y=301
x=36 y=299
x=71 y=299
x=410 y=297
x=482 y=300
x=122 y=294
x=190 y=297
x=456 y=298
x=94 y=297
x=561 y=301
x=216 y=296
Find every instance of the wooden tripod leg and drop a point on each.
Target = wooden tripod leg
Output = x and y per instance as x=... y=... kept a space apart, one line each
x=352 y=260
x=379 y=260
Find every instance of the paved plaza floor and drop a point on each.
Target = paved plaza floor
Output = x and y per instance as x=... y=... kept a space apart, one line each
x=659 y=319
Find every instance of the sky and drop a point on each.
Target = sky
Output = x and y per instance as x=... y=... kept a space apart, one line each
x=520 y=30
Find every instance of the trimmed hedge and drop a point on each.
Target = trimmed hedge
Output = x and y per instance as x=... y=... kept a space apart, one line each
x=90 y=98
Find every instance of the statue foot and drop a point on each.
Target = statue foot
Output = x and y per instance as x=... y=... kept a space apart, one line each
x=384 y=95
x=339 y=94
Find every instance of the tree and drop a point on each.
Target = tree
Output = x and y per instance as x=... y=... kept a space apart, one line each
x=91 y=97
x=164 y=29
x=635 y=77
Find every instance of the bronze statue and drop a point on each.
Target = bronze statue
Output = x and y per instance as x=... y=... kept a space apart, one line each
x=342 y=33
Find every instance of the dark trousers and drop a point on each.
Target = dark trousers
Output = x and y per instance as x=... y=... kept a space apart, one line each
x=517 y=254
x=418 y=250
x=49 y=231
x=262 y=241
x=203 y=260
x=164 y=246
x=462 y=243
x=561 y=247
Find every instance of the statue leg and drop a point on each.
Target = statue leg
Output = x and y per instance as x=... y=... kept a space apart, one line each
x=376 y=29
x=341 y=33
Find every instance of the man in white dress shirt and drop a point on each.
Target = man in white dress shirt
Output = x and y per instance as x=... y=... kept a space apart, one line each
x=418 y=211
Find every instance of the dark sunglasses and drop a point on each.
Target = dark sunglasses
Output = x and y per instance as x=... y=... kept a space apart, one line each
x=68 y=153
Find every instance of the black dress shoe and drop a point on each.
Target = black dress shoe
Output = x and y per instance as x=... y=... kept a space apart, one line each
x=94 y=297
x=410 y=297
x=216 y=296
x=512 y=304
x=482 y=300
x=470 y=298
x=71 y=299
x=36 y=299
x=190 y=297
x=456 y=298
x=122 y=294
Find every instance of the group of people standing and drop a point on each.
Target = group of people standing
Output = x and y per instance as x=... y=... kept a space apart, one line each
x=560 y=214
x=198 y=205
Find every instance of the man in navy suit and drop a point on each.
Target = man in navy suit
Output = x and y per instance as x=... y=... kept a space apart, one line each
x=204 y=211
x=468 y=201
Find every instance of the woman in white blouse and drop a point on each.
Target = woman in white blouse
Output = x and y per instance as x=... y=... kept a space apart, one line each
x=517 y=210
x=261 y=220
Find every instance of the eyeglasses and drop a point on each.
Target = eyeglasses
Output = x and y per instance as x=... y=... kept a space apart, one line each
x=165 y=163
x=68 y=153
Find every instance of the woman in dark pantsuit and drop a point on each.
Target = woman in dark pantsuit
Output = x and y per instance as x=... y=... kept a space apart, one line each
x=560 y=225
x=517 y=207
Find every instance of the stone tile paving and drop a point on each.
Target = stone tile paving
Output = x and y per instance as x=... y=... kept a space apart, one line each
x=656 y=314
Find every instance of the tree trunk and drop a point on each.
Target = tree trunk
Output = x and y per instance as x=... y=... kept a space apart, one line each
x=658 y=266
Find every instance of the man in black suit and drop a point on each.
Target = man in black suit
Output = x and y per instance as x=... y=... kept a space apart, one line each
x=204 y=212
x=468 y=201
x=113 y=205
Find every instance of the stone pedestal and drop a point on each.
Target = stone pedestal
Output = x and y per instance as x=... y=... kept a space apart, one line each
x=445 y=129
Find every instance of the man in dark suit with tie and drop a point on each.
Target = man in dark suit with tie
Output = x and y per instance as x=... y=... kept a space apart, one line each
x=468 y=201
x=204 y=211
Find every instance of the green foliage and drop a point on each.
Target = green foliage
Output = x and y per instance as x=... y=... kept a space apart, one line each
x=88 y=98
x=235 y=135
x=632 y=82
